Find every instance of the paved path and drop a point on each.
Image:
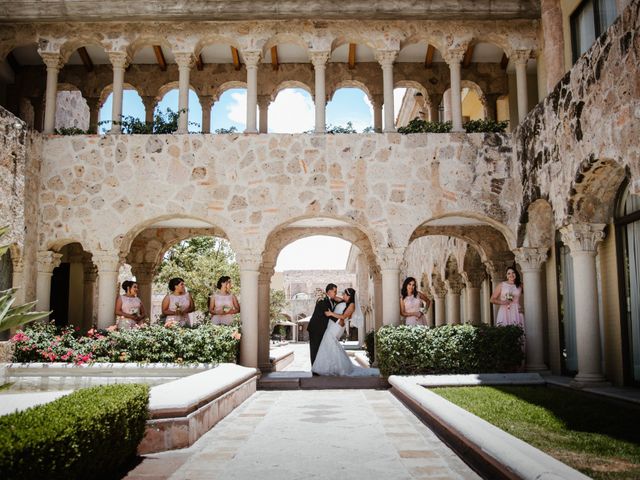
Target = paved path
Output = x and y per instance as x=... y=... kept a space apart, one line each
x=312 y=434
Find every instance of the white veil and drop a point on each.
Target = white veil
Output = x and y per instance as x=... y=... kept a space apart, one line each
x=357 y=319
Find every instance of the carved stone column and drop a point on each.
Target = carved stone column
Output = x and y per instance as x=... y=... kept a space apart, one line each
x=439 y=294
x=108 y=264
x=185 y=61
x=434 y=107
x=520 y=58
x=264 y=320
x=454 y=288
x=206 y=102
x=319 y=60
x=582 y=240
x=94 y=113
x=47 y=261
x=454 y=57
x=390 y=268
x=89 y=279
x=144 y=278
x=149 y=102
x=531 y=260
x=376 y=102
x=474 y=279
x=249 y=264
x=251 y=59
x=53 y=61
x=377 y=296
x=17 y=279
x=119 y=62
x=491 y=104
x=386 y=59
x=497 y=268
x=263 y=108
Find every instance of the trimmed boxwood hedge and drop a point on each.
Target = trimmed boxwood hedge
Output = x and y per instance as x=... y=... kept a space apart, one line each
x=403 y=350
x=91 y=433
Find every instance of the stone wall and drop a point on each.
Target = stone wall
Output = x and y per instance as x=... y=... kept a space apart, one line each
x=577 y=145
x=103 y=190
x=71 y=111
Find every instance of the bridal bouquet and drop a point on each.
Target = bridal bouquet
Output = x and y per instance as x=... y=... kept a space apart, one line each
x=509 y=297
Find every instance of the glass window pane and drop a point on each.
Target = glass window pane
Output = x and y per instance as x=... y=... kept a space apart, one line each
x=607 y=13
x=584 y=28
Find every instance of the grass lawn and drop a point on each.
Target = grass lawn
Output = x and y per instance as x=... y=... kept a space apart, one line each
x=595 y=436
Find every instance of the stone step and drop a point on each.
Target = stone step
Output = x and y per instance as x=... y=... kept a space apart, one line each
x=306 y=381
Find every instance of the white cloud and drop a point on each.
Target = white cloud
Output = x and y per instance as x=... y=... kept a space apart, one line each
x=237 y=109
x=292 y=112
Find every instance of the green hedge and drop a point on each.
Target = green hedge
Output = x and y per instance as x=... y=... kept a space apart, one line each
x=450 y=349
x=91 y=433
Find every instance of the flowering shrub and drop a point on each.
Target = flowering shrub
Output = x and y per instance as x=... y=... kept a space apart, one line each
x=406 y=350
x=165 y=344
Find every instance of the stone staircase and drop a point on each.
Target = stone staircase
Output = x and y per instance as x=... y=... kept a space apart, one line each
x=292 y=380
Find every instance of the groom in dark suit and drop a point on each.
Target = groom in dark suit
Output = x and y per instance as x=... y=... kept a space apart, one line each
x=319 y=319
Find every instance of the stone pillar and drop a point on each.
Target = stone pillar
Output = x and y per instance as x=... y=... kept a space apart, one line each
x=474 y=279
x=582 y=240
x=17 y=279
x=108 y=264
x=386 y=59
x=454 y=58
x=144 y=278
x=377 y=297
x=47 y=261
x=531 y=260
x=185 y=62
x=38 y=113
x=251 y=59
x=454 y=287
x=551 y=17
x=446 y=106
x=249 y=264
x=376 y=102
x=319 y=60
x=149 y=102
x=53 y=61
x=94 y=113
x=491 y=106
x=119 y=62
x=390 y=269
x=264 y=320
x=434 y=107
x=263 y=109
x=90 y=276
x=439 y=294
x=485 y=304
x=520 y=58
x=206 y=102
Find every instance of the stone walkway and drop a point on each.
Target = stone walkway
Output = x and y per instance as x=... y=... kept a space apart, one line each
x=341 y=434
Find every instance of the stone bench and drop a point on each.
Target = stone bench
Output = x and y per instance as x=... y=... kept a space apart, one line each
x=183 y=410
x=487 y=448
x=280 y=358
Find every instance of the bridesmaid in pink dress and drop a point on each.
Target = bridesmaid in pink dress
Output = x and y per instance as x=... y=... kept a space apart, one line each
x=507 y=296
x=411 y=303
x=129 y=308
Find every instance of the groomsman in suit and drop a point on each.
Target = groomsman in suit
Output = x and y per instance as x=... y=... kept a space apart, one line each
x=319 y=319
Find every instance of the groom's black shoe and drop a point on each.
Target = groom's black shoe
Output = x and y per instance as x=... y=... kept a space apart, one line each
x=314 y=374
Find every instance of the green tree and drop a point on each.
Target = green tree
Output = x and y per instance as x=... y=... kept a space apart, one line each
x=13 y=316
x=277 y=303
x=200 y=261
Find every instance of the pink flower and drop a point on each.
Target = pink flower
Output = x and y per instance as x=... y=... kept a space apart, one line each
x=112 y=328
x=20 y=337
x=236 y=335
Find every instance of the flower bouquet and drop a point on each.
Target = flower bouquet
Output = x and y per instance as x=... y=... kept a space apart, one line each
x=509 y=298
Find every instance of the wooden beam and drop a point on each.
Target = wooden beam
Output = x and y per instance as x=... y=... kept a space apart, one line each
x=13 y=63
x=86 y=59
x=157 y=49
x=468 y=55
x=274 y=57
x=352 y=56
x=236 y=58
x=428 y=59
x=504 y=61
x=199 y=63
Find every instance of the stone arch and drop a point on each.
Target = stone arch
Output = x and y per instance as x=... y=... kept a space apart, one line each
x=145 y=40
x=496 y=39
x=426 y=38
x=167 y=87
x=349 y=84
x=67 y=87
x=593 y=192
x=415 y=85
x=228 y=86
x=539 y=230
x=282 y=38
x=108 y=89
x=291 y=84
x=7 y=48
x=352 y=38
x=85 y=40
x=215 y=38
x=58 y=244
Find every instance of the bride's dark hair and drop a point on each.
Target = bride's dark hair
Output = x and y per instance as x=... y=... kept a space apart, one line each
x=352 y=295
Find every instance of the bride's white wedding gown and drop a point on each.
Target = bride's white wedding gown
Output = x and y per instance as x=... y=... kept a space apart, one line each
x=331 y=358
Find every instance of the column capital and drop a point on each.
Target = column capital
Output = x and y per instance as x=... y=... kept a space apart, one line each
x=530 y=258
x=251 y=58
x=53 y=60
x=149 y=101
x=48 y=260
x=455 y=54
x=118 y=59
x=439 y=288
x=92 y=102
x=264 y=101
x=143 y=272
x=184 y=59
x=497 y=267
x=249 y=260
x=319 y=58
x=386 y=57
x=474 y=278
x=390 y=258
x=374 y=271
x=17 y=264
x=90 y=272
x=206 y=101
x=582 y=237
x=454 y=284
x=520 y=56
x=106 y=261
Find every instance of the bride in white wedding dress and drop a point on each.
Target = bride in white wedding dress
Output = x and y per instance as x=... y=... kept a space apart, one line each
x=331 y=358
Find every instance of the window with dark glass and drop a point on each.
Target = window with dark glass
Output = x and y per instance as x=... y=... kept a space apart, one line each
x=588 y=22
